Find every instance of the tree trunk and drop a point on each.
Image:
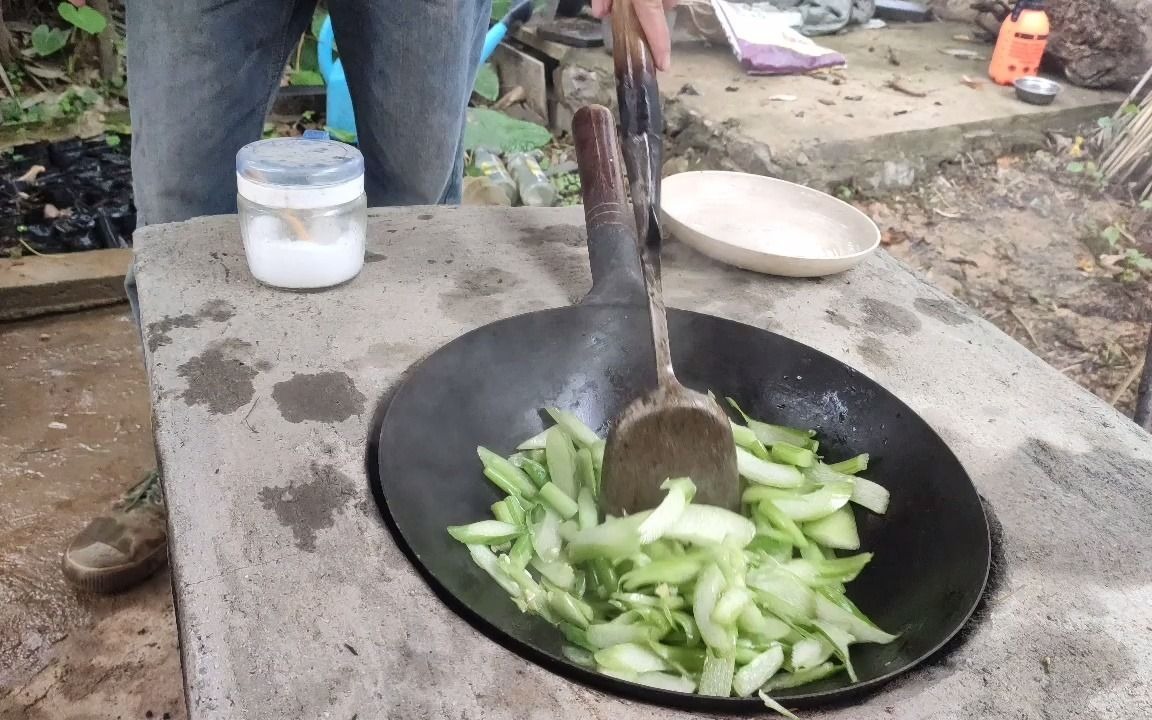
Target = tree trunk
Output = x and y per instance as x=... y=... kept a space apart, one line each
x=109 y=64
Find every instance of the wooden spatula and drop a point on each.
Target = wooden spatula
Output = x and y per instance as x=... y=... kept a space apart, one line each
x=672 y=431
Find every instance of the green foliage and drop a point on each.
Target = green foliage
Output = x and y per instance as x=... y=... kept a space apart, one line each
x=496 y=131
x=47 y=107
x=487 y=83
x=48 y=41
x=306 y=77
x=1111 y=235
x=82 y=18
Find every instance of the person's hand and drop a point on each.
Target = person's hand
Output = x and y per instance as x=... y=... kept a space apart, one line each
x=653 y=23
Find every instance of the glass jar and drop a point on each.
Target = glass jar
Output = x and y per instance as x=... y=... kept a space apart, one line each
x=303 y=213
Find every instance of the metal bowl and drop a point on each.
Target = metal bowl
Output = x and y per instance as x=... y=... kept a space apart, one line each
x=1036 y=90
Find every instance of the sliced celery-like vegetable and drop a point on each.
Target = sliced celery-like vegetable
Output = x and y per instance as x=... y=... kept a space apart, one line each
x=630 y=657
x=730 y=605
x=783 y=452
x=837 y=530
x=709 y=586
x=521 y=552
x=773 y=705
x=851 y=466
x=716 y=677
x=559 y=500
x=586 y=470
x=755 y=673
x=583 y=435
x=765 y=627
x=504 y=474
x=782 y=522
x=684 y=597
x=613 y=539
x=819 y=503
x=785 y=681
x=501 y=512
x=586 y=512
x=840 y=639
x=605 y=635
x=708 y=525
x=536 y=442
x=771 y=434
x=680 y=493
x=666 y=681
x=810 y=652
x=557 y=572
x=485 y=532
x=578 y=655
x=561 y=458
x=834 y=608
x=747 y=440
x=536 y=472
x=546 y=535
x=490 y=563
x=868 y=494
x=673 y=571
x=764 y=472
x=569 y=608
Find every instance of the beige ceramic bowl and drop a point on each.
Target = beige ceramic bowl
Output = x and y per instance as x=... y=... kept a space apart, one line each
x=766 y=225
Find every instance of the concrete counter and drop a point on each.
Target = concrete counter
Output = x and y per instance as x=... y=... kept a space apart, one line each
x=294 y=602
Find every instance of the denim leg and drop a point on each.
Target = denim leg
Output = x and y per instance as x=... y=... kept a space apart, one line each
x=201 y=76
x=410 y=66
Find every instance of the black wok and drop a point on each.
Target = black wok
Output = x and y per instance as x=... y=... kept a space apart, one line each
x=486 y=388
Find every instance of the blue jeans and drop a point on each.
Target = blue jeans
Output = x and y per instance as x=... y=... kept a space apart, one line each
x=202 y=75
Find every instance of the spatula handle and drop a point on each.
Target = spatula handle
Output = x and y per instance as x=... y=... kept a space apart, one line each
x=616 y=274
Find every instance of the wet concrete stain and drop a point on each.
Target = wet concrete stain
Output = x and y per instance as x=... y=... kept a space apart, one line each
x=872 y=350
x=220 y=378
x=373 y=257
x=424 y=216
x=839 y=320
x=308 y=507
x=882 y=316
x=943 y=310
x=159 y=332
x=484 y=282
x=570 y=235
x=323 y=397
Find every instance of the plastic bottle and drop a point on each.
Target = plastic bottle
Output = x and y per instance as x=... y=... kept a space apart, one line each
x=536 y=189
x=1021 y=43
x=489 y=164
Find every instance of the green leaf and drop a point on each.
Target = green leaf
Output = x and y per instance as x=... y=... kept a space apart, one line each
x=1104 y=122
x=306 y=77
x=487 y=83
x=1138 y=260
x=84 y=18
x=496 y=131
x=1131 y=109
x=1075 y=167
x=1111 y=234
x=112 y=140
x=46 y=40
x=318 y=19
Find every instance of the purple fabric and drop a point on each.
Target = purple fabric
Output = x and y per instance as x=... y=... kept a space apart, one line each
x=776 y=60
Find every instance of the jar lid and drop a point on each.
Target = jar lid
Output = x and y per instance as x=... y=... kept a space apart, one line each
x=299 y=173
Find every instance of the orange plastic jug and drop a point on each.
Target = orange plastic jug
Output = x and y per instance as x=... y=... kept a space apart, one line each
x=1021 y=43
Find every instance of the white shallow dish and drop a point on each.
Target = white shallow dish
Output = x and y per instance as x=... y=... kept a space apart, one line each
x=766 y=225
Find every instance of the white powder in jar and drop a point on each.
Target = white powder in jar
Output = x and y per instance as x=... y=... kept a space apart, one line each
x=334 y=252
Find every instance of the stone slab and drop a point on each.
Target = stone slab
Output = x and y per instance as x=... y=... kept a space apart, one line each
x=34 y=285
x=294 y=601
x=850 y=126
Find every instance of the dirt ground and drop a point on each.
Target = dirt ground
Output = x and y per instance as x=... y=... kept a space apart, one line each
x=1027 y=243
x=74 y=431
x=1022 y=240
